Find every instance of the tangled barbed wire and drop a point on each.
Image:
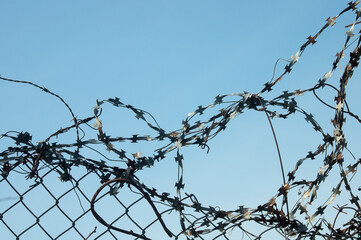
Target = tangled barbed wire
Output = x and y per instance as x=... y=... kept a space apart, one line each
x=196 y=220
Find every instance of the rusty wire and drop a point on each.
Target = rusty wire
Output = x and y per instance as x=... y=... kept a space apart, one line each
x=37 y=161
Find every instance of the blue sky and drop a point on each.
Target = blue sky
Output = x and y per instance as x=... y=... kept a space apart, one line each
x=169 y=57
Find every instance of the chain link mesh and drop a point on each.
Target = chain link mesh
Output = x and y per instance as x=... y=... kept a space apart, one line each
x=51 y=190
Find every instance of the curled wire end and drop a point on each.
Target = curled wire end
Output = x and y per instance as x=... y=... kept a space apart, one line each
x=204 y=145
x=145 y=195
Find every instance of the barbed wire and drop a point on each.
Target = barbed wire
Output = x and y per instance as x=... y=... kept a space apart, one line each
x=196 y=221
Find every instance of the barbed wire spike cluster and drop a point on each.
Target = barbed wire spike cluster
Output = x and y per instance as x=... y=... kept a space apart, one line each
x=197 y=220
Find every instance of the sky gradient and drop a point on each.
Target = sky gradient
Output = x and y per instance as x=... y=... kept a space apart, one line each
x=169 y=57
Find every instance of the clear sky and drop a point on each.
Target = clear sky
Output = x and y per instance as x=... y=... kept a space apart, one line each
x=169 y=57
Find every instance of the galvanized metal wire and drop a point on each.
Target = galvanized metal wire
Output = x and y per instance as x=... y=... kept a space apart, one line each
x=64 y=173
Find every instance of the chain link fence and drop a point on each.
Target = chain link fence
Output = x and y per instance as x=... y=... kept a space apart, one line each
x=57 y=190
